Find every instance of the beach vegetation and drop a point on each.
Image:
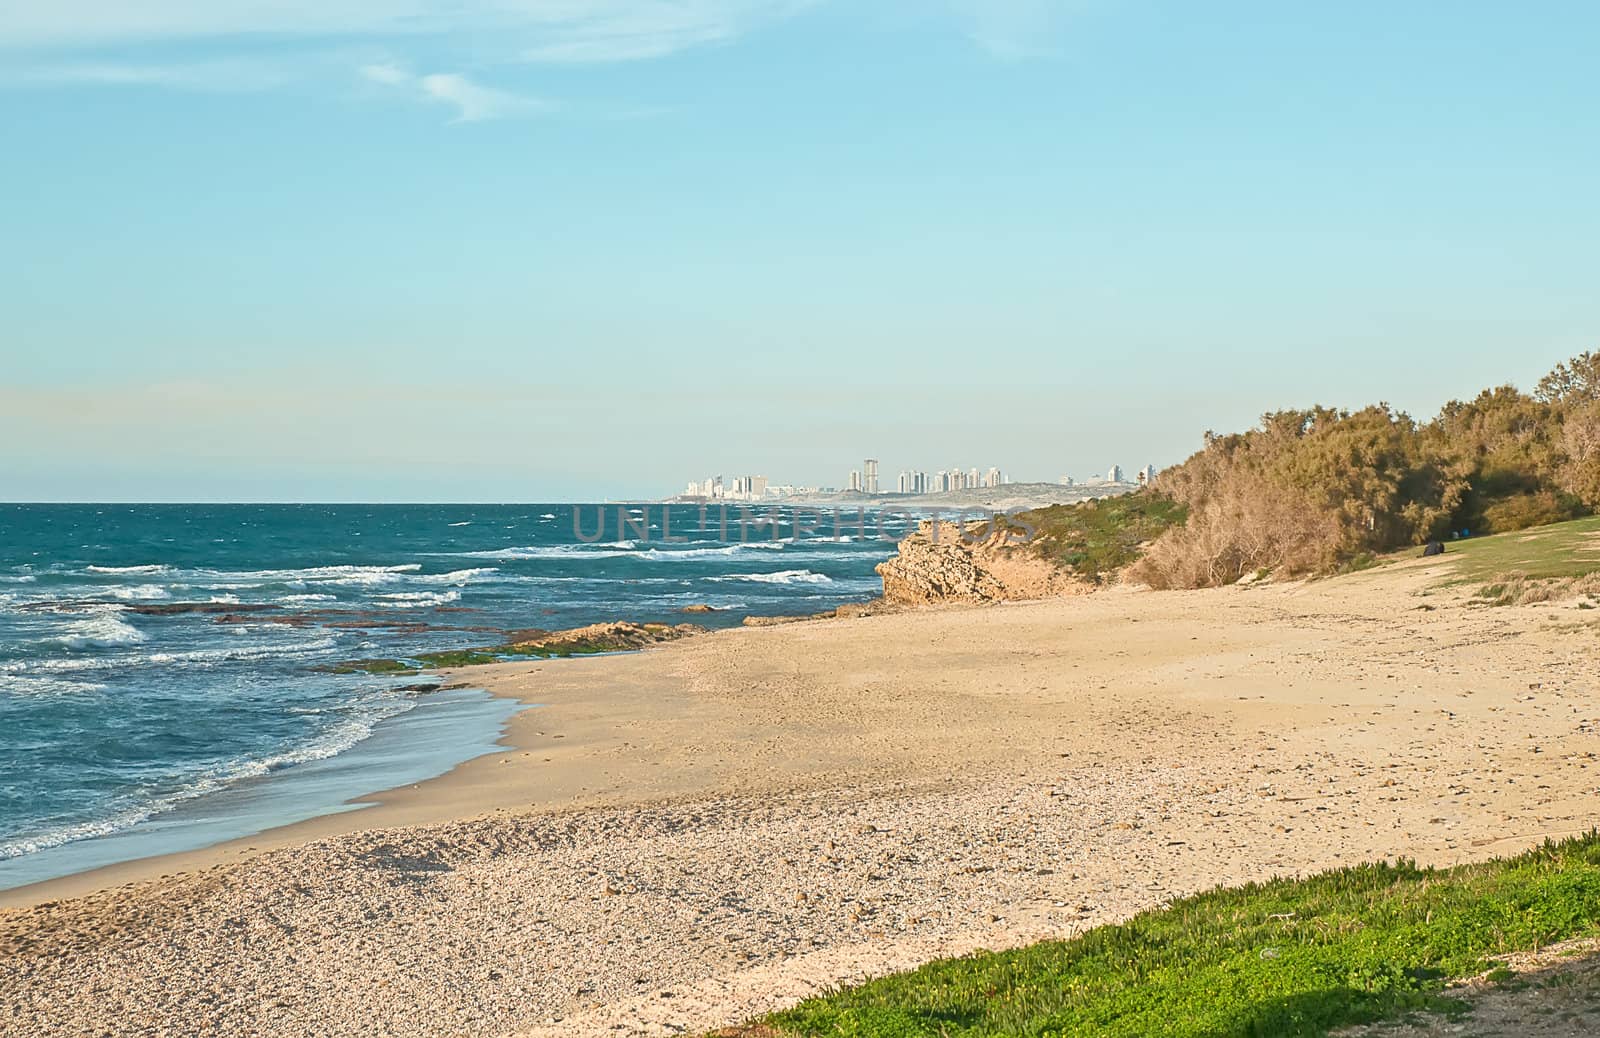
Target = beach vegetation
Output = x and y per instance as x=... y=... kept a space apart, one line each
x=1095 y=539
x=1289 y=957
x=1308 y=491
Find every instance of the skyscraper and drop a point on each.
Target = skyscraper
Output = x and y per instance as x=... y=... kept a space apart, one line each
x=855 y=479
x=870 y=468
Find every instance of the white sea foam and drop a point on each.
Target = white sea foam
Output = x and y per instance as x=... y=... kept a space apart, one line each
x=548 y=515
x=551 y=551
x=468 y=523
x=129 y=569
x=334 y=741
x=43 y=685
x=333 y=573
x=788 y=576
x=241 y=652
x=679 y=555
x=418 y=599
x=459 y=578
x=100 y=630
x=140 y=593
x=307 y=599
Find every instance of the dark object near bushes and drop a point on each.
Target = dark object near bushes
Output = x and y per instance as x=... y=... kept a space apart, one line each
x=1433 y=548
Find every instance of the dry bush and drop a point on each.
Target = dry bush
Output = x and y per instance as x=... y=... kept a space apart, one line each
x=1310 y=491
x=1239 y=532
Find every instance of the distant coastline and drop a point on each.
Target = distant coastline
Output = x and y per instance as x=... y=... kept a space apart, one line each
x=1005 y=497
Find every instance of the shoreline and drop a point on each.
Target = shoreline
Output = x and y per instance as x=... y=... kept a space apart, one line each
x=932 y=780
x=467 y=789
x=440 y=731
x=406 y=803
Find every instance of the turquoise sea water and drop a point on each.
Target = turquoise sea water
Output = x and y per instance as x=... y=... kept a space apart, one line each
x=131 y=724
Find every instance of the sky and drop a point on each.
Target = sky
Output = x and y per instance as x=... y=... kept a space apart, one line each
x=527 y=250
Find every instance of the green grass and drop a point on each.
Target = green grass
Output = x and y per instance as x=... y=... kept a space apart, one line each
x=1285 y=958
x=1097 y=538
x=1558 y=551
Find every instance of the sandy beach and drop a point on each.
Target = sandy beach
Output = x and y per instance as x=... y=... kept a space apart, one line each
x=681 y=838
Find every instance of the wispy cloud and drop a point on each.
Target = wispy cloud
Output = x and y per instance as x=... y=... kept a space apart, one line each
x=1016 y=29
x=558 y=30
x=253 y=45
x=222 y=75
x=473 y=101
x=242 y=45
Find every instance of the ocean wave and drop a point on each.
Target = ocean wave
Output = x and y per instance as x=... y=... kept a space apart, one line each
x=20 y=684
x=548 y=515
x=240 y=652
x=788 y=576
x=103 y=630
x=418 y=599
x=664 y=555
x=313 y=573
x=333 y=741
x=551 y=551
x=458 y=577
x=140 y=592
x=21 y=578
x=307 y=599
x=468 y=523
x=115 y=570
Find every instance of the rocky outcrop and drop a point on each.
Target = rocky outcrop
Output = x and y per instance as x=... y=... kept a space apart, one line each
x=945 y=562
x=533 y=642
x=848 y=611
x=619 y=636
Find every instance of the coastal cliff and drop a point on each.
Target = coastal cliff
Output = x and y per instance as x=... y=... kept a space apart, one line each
x=946 y=562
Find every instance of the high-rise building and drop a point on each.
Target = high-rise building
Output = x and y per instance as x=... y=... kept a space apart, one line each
x=1115 y=475
x=758 y=486
x=993 y=478
x=903 y=485
x=1147 y=475
x=973 y=479
x=870 y=471
x=855 y=479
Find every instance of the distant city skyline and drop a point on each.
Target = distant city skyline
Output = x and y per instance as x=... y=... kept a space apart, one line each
x=865 y=479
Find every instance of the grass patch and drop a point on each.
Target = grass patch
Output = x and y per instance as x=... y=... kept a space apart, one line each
x=1097 y=538
x=1557 y=552
x=1288 y=957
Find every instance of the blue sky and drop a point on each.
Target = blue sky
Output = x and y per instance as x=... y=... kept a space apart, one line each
x=542 y=249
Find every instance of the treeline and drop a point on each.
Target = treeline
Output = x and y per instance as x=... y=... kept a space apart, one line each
x=1312 y=491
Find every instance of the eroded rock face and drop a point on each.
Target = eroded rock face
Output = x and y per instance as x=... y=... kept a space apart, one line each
x=938 y=564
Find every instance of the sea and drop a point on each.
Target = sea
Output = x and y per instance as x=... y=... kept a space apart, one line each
x=166 y=671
